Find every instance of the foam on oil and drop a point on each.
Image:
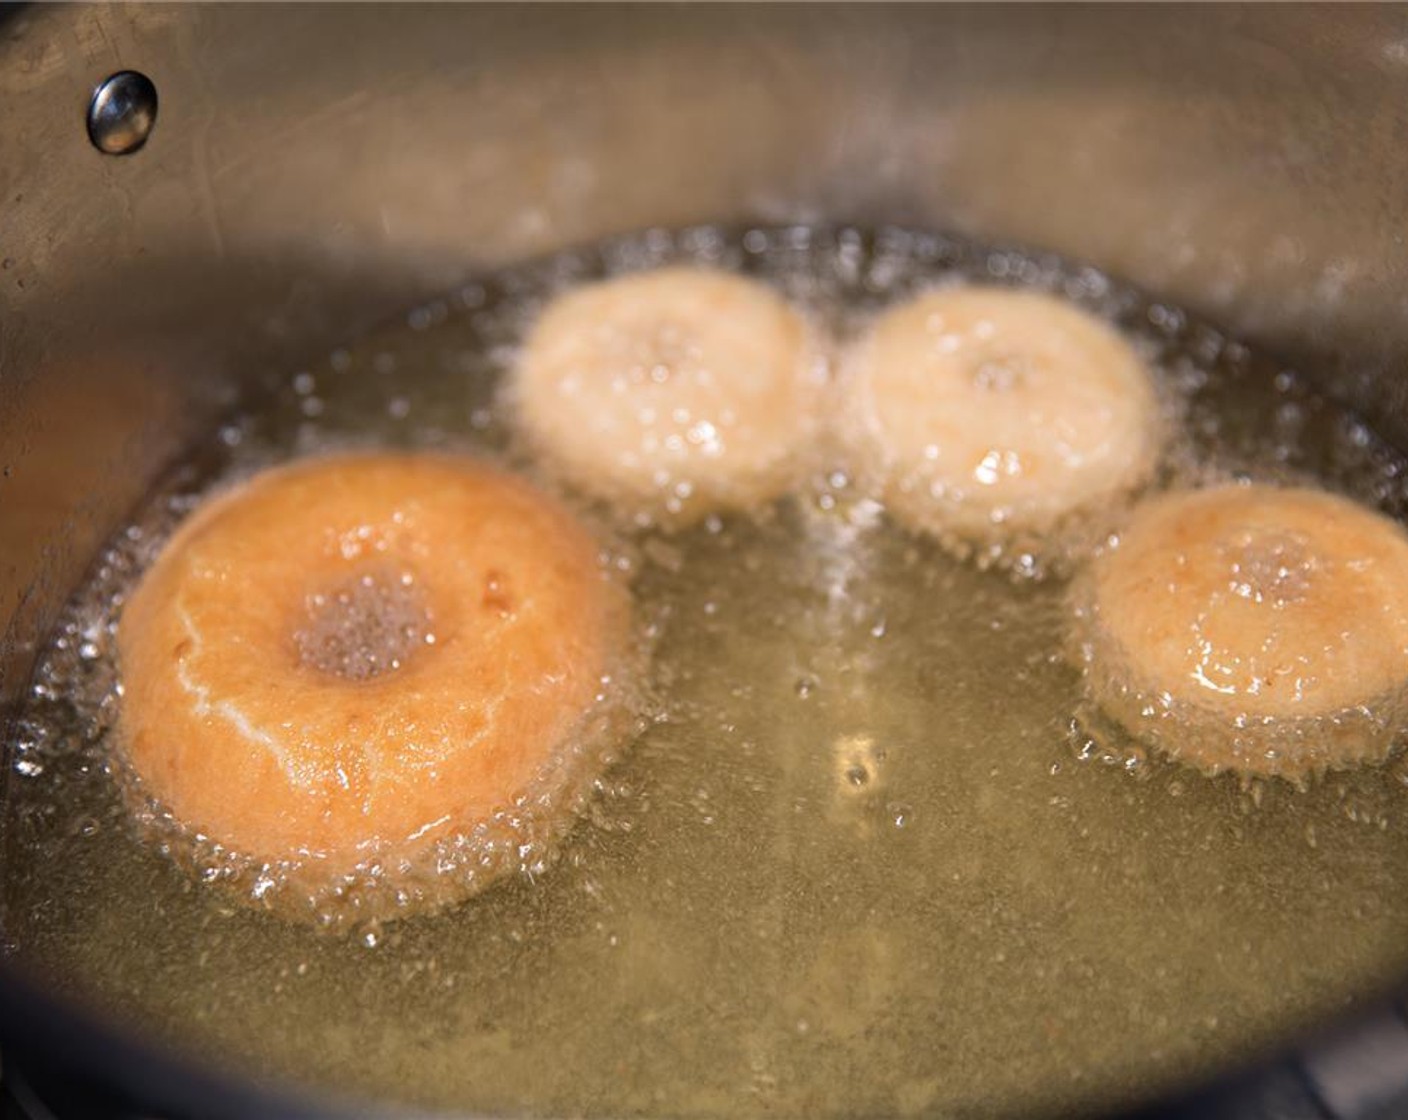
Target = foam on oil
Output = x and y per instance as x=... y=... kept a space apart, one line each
x=862 y=863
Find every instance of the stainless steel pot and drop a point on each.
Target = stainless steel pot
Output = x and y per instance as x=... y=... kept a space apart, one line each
x=313 y=168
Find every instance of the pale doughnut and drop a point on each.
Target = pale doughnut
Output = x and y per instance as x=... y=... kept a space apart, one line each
x=673 y=393
x=1252 y=628
x=371 y=662
x=990 y=417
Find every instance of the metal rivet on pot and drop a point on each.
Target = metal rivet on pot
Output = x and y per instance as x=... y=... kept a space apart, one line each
x=122 y=113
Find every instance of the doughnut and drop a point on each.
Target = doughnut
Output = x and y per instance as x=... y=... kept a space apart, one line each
x=1253 y=629
x=990 y=418
x=674 y=393
x=368 y=668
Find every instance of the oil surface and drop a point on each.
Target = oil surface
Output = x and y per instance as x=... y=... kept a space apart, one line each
x=864 y=861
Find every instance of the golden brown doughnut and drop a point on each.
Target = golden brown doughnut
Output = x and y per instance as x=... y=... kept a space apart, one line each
x=1253 y=629
x=365 y=663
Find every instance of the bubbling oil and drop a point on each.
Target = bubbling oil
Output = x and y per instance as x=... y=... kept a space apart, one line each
x=369 y=625
x=863 y=861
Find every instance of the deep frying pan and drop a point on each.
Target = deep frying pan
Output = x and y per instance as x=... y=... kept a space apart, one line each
x=312 y=168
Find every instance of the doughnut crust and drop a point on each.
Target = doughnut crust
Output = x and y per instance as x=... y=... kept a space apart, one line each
x=1253 y=628
x=673 y=394
x=989 y=417
x=366 y=661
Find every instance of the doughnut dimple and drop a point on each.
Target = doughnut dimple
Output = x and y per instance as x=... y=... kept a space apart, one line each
x=673 y=394
x=357 y=666
x=991 y=418
x=1252 y=628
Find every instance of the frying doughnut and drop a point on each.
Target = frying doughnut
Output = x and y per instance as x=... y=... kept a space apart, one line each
x=357 y=668
x=989 y=418
x=1253 y=629
x=675 y=393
